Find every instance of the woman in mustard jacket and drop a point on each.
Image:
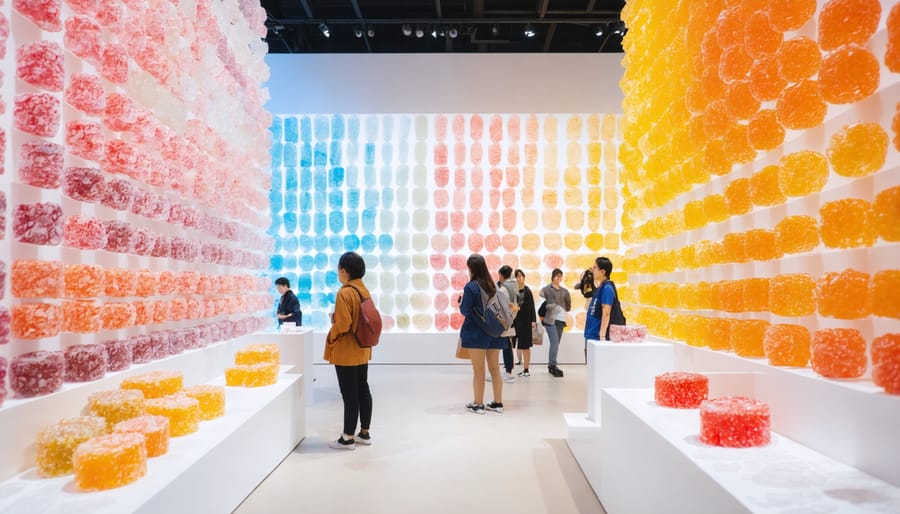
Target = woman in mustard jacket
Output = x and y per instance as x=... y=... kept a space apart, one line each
x=351 y=362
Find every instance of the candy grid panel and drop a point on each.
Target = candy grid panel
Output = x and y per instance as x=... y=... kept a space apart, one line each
x=133 y=184
x=416 y=194
x=762 y=182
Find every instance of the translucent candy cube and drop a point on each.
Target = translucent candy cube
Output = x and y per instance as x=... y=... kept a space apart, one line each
x=116 y=405
x=38 y=223
x=110 y=461
x=37 y=114
x=118 y=194
x=43 y=13
x=36 y=373
x=83 y=38
x=847 y=223
x=252 y=375
x=117 y=315
x=787 y=345
x=114 y=63
x=155 y=430
x=844 y=295
x=735 y=422
x=257 y=354
x=838 y=353
x=886 y=362
x=118 y=354
x=41 y=64
x=155 y=384
x=35 y=320
x=211 y=398
x=41 y=164
x=85 y=93
x=36 y=279
x=118 y=236
x=56 y=443
x=747 y=337
x=797 y=234
x=681 y=390
x=792 y=295
x=81 y=316
x=884 y=287
x=83 y=184
x=887 y=212
x=626 y=333
x=84 y=232
x=85 y=139
x=182 y=410
x=83 y=281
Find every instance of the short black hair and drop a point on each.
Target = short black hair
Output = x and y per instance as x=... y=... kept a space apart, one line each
x=353 y=264
x=556 y=271
x=605 y=264
x=505 y=271
x=520 y=272
x=283 y=282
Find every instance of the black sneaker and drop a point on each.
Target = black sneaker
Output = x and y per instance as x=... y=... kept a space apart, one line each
x=475 y=407
x=556 y=372
x=362 y=438
x=495 y=406
x=342 y=444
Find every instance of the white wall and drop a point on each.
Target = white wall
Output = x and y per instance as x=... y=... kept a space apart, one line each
x=446 y=83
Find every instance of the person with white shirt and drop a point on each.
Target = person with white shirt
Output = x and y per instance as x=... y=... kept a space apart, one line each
x=557 y=304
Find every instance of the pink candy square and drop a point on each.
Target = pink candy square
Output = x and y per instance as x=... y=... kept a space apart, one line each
x=118 y=237
x=85 y=139
x=118 y=194
x=42 y=164
x=84 y=233
x=37 y=114
x=120 y=113
x=114 y=63
x=43 y=13
x=85 y=93
x=83 y=38
x=41 y=64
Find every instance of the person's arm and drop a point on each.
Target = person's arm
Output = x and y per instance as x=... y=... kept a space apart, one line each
x=567 y=298
x=468 y=302
x=343 y=316
x=604 y=321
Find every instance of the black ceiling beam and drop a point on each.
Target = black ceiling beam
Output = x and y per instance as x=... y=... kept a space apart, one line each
x=449 y=21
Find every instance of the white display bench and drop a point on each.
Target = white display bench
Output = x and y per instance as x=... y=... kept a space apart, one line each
x=652 y=461
x=851 y=424
x=296 y=348
x=259 y=423
x=211 y=470
x=440 y=348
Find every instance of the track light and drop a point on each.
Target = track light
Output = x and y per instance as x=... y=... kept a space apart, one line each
x=494 y=30
x=407 y=30
x=619 y=28
x=420 y=33
x=453 y=32
x=323 y=28
x=600 y=30
x=357 y=31
x=434 y=32
x=370 y=32
x=529 y=31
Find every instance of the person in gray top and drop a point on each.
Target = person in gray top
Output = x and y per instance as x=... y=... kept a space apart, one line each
x=512 y=287
x=557 y=304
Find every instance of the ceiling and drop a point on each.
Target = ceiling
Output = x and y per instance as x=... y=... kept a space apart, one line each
x=378 y=26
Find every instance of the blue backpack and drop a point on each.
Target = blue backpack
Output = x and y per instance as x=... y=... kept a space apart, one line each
x=495 y=316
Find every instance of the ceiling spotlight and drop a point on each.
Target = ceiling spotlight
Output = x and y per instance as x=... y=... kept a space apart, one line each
x=619 y=28
x=419 y=32
x=434 y=32
x=357 y=31
x=494 y=30
x=407 y=30
x=370 y=32
x=453 y=32
x=600 y=30
x=529 y=31
x=324 y=30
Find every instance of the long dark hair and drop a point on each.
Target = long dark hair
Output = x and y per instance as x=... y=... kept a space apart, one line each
x=479 y=273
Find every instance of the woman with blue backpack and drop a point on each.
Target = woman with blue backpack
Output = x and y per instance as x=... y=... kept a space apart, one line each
x=475 y=335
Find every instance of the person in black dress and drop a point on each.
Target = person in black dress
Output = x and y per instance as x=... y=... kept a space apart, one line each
x=524 y=321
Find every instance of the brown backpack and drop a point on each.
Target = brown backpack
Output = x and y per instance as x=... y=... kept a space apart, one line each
x=368 y=327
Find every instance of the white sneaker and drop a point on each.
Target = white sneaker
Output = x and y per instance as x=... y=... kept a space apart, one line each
x=508 y=378
x=487 y=377
x=341 y=444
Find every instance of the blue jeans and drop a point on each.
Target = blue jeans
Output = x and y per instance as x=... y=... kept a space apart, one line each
x=554 y=333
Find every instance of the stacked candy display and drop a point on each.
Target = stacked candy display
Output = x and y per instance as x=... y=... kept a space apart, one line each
x=257 y=365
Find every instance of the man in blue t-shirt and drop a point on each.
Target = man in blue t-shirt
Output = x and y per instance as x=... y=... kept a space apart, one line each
x=604 y=309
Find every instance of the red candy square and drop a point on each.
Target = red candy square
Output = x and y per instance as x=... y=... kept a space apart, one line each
x=85 y=93
x=85 y=362
x=114 y=63
x=85 y=139
x=83 y=184
x=118 y=194
x=38 y=223
x=43 y=13
x=85 y=233
x=118 y=237
x=83 y=38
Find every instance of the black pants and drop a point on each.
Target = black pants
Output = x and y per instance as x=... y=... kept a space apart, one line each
x=508 y=356
x=354 y=386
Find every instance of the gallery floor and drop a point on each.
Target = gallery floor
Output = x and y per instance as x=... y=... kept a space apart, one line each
x=431 y=455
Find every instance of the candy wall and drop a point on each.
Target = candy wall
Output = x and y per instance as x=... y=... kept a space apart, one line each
x=760 y=180
x=416 y=194
x=134 y=176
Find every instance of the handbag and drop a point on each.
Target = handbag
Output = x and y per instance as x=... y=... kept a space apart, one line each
x=537 y=334
x=542 y=310
x=461 y=353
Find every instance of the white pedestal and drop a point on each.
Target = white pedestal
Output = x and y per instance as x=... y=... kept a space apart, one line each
x=211 y=470
x=653 y=462
x=582 y=439
x=623 y=365
x=296 y=349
